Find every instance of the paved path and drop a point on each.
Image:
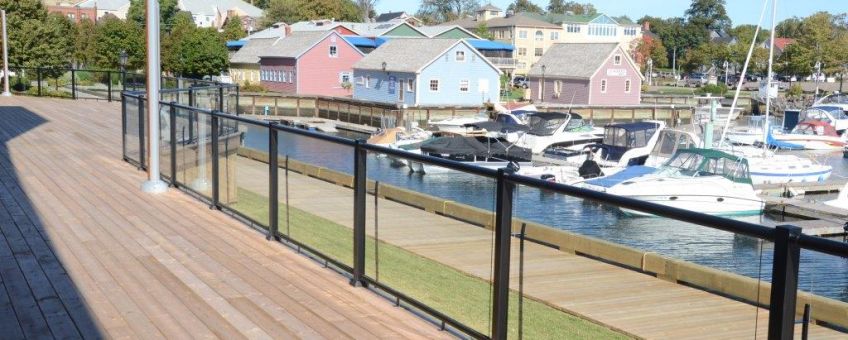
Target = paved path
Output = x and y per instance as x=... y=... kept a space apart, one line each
x=622 y=299
x=85 y=254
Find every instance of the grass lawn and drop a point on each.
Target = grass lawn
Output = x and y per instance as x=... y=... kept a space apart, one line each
x=513 y=94
x=465 y=298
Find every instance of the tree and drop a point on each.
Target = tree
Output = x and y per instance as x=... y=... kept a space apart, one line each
x=524 y=6
x=824 y=39
x=744 y=34
x=291 y=11
x=52 y=44
x=202 y=52
x=84 y=43
x=561 y=7
x=437 y=11
x=789 y=28
x=233 y=30
x=263 y=4
x=366 y=8
x=183 y=26
x=651 y=48
x=114 y=35
x=482 y=31
x=167 y=11
x=708 y=15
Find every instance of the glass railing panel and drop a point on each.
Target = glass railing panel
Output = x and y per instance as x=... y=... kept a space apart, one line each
x=131 y=132
x=823 y=286
x=430 y=236
x=165 y=142
x=244 y=182
x=194 y=156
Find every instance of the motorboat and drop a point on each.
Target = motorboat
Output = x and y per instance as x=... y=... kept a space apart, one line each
x=837 y=99
x=623 y=144
x=830 y=114
x=478 y=151
x=548 y=129
x=808 y=135
x=703 y=180
x=460 y=125
x=508 y=126
x=752 y=133
x=400 y=138
x=841 y=201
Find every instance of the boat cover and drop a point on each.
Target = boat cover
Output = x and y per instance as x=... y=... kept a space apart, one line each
x=628 y=173
x=773 y=142
x=494 y=126
x=460 y=145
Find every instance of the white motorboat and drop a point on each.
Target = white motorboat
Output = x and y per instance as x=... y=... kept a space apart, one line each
x=702 y=180
x=549 y=129
x=623 y=145
x=752 y=133
x=808 y=135
x=457 y=125
x=478 y=151
x=834 y=100
x=841 y=201
x=830 y=114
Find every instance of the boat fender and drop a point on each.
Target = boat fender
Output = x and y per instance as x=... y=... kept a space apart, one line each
x=590 y=169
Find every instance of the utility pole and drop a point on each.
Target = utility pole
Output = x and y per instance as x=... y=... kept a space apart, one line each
x=6 y=92
x=154 y=183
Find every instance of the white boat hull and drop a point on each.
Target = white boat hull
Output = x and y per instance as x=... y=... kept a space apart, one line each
x=713 y=195
x=707 y=204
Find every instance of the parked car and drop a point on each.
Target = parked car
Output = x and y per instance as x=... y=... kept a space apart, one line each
x=697 y=79
x=732 y=80
x=520 y=81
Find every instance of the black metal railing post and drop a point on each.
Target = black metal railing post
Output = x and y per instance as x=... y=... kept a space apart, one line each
x=141 y=147
x=273 y=187
x=124 y=126
x=238 y=93
x=38 y=79
x=109 y=86
x=784 y=288
x=173 y=136
x=191 y=116
x=221 y=98
x=215 y=159
x=359 y=182
x=503 y=234
x=123 y=79
x=73 y=84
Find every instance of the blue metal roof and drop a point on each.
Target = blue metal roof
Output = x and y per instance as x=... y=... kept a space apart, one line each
x=236 y=43
x=361 y=41
x=482 y=44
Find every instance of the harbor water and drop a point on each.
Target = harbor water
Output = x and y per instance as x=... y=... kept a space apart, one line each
x=820 y=274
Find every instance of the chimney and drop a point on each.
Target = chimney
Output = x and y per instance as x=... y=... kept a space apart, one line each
x=287 y=31
x=646 y=26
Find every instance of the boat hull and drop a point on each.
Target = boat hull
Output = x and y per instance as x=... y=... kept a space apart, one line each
x=707 y=204
x=433 y=169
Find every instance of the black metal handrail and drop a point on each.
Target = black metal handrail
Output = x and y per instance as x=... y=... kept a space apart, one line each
x=788 y=240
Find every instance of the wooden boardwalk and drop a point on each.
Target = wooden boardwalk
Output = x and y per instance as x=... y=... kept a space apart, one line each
x=638 y=304
x=84 y=254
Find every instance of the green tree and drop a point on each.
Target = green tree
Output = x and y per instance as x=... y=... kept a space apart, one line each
x=560 y=6
x=36 y=39
x=85 y=36
x=524 y=6
x=291 y=11
x=52 y=44
x=113 y=36
x=183 y=26
x=708 y=15
x=744 y=34
x=789 y=28
x=653 y=49
x=233 y=30
x=824 y=39
x=482 y=31
x=438 y=11
x=167 y=11
x=202 y=52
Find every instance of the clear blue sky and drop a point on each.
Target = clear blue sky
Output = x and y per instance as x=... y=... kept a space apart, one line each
x=740 y=11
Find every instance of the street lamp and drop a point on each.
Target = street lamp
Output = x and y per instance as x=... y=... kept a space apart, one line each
x=650 y=72
x=726 y=66
x=542 y=91
x=817 y=75
x=122 y=61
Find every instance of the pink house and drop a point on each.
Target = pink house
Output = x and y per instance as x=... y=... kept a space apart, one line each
x=586 y=74
x=309 y=63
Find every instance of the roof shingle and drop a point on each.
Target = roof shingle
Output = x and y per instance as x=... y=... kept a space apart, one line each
x=294 y=45
x=576 y=60
x=249 y=54
x=405 y=55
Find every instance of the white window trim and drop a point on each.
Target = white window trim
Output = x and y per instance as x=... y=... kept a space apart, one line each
x=524 y=34
x=628 y=86
x=616 y=59
x=367 y=82
x=467 y=87
x=410 y=85
x=360 y=80
x=291 y=77
x=456 y=56
x=604 y=85
x=438 y=85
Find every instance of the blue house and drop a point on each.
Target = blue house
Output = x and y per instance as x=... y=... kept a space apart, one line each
x=426 y=72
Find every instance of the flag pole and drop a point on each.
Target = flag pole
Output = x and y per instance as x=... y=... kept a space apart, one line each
x=154 y=183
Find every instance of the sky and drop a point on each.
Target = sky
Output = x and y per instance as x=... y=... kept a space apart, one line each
x=740 y=11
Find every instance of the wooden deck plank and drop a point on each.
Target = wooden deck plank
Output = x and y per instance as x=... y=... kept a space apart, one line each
x=120 y=247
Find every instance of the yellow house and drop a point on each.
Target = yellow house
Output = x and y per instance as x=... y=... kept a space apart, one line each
x=244 y=64
x=531 y=37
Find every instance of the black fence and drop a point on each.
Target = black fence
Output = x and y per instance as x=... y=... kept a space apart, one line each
x=246 y=167
x=86 y=83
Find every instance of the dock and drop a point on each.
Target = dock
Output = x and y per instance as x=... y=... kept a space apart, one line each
x=801 y=188
x=315 y=123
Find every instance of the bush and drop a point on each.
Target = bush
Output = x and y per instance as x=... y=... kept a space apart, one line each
x=719 y=89
x=645 y=88
x=20 y=83
x=248 y=87
x=795 y=92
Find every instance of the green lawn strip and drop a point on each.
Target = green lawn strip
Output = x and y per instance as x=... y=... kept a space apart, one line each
x=456 y=294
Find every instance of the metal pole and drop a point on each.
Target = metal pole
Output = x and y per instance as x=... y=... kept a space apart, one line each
x=124 y=127
x=109 y=86
x=770 y=76
x=141 y=147
x=73 y=84
x=154 y=183
x=6 y=92
x=805 y=323
x=273 y=188
x=215 y=160
x=503 y=234
x=784 y=287
x=173 y=136
x=38 y=79
x=359 y=176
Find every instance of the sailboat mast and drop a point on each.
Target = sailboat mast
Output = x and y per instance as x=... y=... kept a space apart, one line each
x=766 y=127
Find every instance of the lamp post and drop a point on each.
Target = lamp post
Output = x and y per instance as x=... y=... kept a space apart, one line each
x=122 y=61
x=726 y=73
x=817 y=75
x=154 y=183
x=650 y=72
x=542 y=90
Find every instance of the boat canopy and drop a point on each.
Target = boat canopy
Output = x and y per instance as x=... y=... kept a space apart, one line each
x=629 y=135
x=670 y=141
x=815 y=127
x=709 y=162
x=497 y=126
x=548 y=123
x=480 y=148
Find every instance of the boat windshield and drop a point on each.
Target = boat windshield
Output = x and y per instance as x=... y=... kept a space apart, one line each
x=840 y=98
x=622 y=137
x=546 y=126
x=703 y=162
x=670 y=141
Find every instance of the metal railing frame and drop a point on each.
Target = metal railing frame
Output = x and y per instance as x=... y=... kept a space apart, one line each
x=788 y=240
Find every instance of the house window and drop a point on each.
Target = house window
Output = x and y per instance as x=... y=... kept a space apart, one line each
x=603 y=86
x=630 y=31
x=460 y=56
x=344 y=77
x=554 y=36
x=540 y=36
x=334 y=51
x=283 y=75
x=434 y=85
x=538 y=52
x=71 y=16
x=84 y=16
x=463 y=85
x=522 y=51
x=367 y=82
x=557 y=88
x=617 y=59
x=291 y=76
x=627 y=86
x=572 y=28
x=522 y=34
x=409 y=85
